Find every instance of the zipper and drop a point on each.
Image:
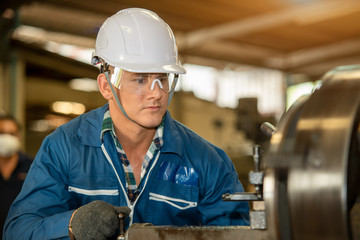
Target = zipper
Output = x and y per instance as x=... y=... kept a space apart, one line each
x=172 y=201
x=146 y=180
x=131 y=206
x=118 y=178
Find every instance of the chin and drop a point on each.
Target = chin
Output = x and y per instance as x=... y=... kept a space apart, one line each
x=154 y=122
x=148 y=125
x=150 y=120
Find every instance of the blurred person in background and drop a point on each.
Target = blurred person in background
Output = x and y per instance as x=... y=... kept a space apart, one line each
x=14 y=164
x=129 y=156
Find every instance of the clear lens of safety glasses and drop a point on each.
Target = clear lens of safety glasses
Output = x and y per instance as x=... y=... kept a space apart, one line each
x=141 y=83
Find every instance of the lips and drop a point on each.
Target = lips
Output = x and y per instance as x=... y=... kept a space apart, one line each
x=154 y=107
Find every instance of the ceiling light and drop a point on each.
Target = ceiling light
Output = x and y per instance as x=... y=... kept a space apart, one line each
x=64 y=107
x=84 y=84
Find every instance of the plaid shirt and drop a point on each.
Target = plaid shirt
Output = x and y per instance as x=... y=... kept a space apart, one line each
x=132 y=188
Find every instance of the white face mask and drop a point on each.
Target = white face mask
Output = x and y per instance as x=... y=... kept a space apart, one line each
x=9 y=145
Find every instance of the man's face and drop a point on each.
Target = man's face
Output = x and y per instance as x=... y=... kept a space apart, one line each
x=144 y=105
x=9 y=139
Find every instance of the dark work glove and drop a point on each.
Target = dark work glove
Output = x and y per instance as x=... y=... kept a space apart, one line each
x=97 y=220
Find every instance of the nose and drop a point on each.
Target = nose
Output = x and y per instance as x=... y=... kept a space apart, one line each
x=153 y=84
x=156 y=89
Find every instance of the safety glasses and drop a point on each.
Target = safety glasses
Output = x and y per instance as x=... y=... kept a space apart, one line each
x=141 y=83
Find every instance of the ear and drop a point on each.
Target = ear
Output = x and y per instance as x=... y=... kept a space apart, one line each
x=104 y=87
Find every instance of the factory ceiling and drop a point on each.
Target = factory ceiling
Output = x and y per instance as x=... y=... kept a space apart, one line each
x=296 y=36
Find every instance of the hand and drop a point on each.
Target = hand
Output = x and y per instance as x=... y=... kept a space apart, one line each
x=96 y=220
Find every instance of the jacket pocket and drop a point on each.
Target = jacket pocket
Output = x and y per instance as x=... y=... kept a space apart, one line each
x=94 y=192
x=80 y=196
x=175 y=202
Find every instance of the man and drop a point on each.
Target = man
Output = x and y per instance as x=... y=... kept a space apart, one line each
x=129 y=156
x=14 y=164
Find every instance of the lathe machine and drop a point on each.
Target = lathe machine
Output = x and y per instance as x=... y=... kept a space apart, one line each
x=309 y=178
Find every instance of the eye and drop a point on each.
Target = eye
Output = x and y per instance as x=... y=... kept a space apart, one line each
x=163 y=78
x=140 y=80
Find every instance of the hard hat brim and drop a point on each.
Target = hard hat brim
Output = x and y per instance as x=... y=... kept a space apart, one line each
x=145 y=68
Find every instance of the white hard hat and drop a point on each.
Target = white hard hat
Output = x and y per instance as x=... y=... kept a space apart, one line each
x=137 y=40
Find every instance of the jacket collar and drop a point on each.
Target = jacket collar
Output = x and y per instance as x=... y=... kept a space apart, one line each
x=90 y=130
x=172 y=137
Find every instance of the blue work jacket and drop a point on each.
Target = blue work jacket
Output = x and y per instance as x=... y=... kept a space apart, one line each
x=182 y=186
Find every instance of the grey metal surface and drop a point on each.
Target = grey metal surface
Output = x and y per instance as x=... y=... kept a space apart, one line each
x=307 y=188
x=139 y=232
x=256 y=177
x=242 y=196
x=258 y=219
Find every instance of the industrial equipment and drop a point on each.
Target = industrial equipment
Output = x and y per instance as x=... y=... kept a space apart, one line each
x=309 y=179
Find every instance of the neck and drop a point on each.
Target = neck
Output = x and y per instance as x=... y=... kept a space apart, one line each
x=135 y=137
x=131 y=135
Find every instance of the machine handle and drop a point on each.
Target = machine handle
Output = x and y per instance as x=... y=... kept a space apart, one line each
x=121 y=235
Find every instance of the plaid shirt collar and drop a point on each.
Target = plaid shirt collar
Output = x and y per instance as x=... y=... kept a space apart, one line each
x=109 y=126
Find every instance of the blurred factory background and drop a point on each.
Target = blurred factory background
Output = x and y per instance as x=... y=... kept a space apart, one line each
x=247 y=61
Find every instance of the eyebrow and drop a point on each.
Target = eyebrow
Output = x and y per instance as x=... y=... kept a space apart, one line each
x=146 y=74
